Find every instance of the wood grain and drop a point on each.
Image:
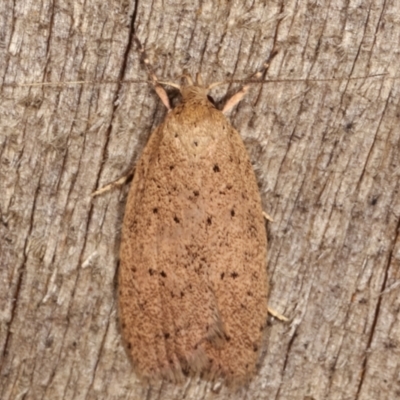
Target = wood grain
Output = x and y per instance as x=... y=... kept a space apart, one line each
x=327 y=159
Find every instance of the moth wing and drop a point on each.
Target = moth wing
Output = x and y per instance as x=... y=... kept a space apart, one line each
x=239 y=273
x=167 y=307
x=193 y=254
x=141 y=311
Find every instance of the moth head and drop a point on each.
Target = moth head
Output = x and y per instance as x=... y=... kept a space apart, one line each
x=194 y=89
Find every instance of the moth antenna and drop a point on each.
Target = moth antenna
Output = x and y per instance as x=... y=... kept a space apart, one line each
x=215 y=84
x=172 y=84
x=67 y=83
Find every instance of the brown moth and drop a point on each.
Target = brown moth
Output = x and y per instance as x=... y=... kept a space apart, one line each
x=193 y=282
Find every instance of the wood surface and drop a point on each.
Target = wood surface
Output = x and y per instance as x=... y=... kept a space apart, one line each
x=325 y=147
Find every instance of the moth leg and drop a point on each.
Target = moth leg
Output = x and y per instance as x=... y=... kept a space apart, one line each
x=119 y=182
x=162 y=94
x=277 y=315
x=262 y=72
x=267 y=217
x=259 y=75
x=271 y=310
x=235 y=99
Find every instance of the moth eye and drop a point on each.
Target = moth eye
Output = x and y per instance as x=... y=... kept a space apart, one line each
x=216 y=168
x=211 y=100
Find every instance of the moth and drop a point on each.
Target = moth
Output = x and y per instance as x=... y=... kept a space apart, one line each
x=193 y=284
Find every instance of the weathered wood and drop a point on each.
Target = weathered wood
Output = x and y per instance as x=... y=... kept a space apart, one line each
x=327 y=156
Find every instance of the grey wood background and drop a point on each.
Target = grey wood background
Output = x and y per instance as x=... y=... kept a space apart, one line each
x=326 y=154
